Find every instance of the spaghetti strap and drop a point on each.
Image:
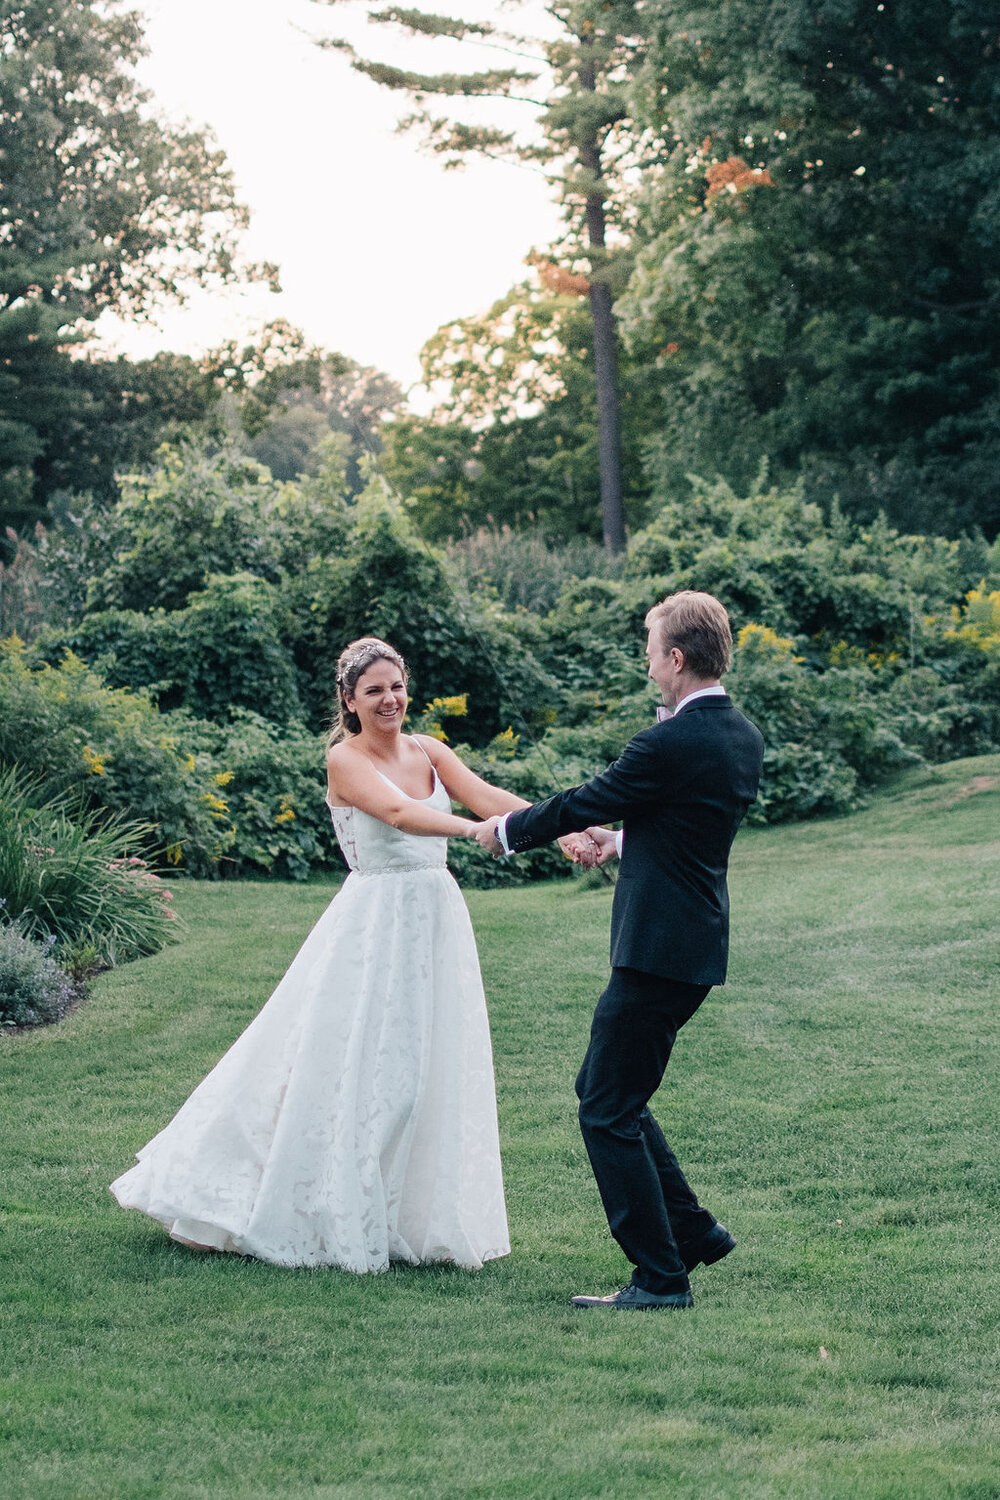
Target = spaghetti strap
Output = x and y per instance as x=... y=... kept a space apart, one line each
x=435 y=778
x=424 y=754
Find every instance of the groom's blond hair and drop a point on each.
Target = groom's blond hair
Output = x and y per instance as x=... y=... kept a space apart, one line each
x=698 y=625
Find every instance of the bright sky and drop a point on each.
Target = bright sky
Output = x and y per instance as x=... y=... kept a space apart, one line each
x=377 y=244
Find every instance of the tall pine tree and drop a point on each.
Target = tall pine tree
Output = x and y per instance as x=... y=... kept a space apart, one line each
x=582 y=77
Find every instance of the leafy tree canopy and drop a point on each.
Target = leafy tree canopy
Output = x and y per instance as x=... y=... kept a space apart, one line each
x=513 y=438
x=818 y=259
x=102 y=205
x=292 y=396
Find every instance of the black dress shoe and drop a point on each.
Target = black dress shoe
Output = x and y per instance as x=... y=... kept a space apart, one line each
x=637 y=1297
x=710 y=1248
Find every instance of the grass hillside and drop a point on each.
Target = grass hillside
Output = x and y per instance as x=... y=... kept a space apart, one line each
x=834 y=1104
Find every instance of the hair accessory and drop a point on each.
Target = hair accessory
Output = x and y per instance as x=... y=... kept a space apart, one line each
x=373 y=649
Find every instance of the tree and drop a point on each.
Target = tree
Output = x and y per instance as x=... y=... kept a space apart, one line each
x=125 y=410
x=102 y=205
x=515 y=440
x=585 y=72
x=817 y=255
x=37 y=401
x=292 y=396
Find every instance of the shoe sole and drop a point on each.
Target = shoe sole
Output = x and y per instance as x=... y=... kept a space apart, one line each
x=633 y=1306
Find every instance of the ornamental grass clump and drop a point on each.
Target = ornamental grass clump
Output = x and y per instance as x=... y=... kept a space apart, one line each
x=68 y=874
x=33 y=988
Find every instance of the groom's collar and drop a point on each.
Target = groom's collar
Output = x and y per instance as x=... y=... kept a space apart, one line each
x=718 y=691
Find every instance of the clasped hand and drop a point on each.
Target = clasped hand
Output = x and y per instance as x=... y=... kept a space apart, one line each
x=593 y=847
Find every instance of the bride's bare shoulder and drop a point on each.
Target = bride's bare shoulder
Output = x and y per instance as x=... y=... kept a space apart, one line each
x=343 y=753
x=429 y=745
x=343 y=764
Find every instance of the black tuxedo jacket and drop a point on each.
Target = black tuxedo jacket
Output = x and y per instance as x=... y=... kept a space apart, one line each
x=681 y=789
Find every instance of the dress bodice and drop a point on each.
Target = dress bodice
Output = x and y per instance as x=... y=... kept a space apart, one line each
x=371 y=847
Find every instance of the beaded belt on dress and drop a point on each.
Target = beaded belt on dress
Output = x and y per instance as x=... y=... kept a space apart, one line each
x=399 y=869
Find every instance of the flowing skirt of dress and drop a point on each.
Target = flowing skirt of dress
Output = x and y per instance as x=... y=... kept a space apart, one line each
x=354 y=1121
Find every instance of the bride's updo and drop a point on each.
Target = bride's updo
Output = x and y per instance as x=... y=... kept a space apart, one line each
x=352 y=662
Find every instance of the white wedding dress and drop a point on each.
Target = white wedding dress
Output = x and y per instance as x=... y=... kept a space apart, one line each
x=354 y=1121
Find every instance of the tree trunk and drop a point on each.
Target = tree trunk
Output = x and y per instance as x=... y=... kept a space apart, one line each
x=609 y=454
x=609 y=443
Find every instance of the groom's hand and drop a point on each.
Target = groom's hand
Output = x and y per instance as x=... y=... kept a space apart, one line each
x=605 y=844
x=485 y=835
x=580 y=848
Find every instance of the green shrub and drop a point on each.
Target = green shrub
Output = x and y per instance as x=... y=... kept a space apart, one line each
x=114 y=750
x=273 y=779
x=526 y=569
x=826 y=735
x=194 y=515
x=33 y=988
x=228 y=598
x=775 y=559
x=74 y=877
x=227 y=648
x=386 y=582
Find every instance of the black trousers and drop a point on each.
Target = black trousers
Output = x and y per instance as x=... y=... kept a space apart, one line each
x=652 y=1212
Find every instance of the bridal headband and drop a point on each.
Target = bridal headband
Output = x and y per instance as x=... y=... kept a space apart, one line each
x=372 y=649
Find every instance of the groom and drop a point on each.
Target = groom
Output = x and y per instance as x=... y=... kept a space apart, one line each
x=681 y=789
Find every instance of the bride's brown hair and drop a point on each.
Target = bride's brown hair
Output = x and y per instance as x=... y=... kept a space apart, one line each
x=354 y=660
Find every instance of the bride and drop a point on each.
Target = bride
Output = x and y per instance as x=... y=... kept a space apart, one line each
x=354 y=1121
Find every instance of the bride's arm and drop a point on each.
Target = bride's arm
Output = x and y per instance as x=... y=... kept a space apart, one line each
x=353 y=781
x=465 y=786
x=487 y=800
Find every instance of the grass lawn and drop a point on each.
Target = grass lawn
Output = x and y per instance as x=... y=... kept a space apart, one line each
x=835 y=1105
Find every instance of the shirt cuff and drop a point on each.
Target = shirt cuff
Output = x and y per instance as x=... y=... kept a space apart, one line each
x=619 y=840
x=502 y=833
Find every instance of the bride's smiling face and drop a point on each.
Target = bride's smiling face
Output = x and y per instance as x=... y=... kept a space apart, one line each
x=380 y=698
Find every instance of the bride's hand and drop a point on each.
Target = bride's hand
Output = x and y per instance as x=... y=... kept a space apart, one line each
x=485 y=835
x=580 y=848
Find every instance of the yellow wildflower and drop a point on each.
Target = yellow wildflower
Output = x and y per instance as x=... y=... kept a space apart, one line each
x=504 y=745
x=764 y=644
x=94 y=763
x=978 y=622
x=443 y=708
x=286 y=812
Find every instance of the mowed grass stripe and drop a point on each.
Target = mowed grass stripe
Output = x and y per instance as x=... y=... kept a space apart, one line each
x=835 y=1104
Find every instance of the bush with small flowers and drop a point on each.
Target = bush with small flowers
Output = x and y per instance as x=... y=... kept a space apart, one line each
x=33 y=987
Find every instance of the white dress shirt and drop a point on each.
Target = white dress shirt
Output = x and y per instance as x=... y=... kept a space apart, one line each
x=662 y=713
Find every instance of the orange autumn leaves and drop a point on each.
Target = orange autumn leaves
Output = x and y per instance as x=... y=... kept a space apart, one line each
x=731 y=176
x=734 y=175
x=558 y=279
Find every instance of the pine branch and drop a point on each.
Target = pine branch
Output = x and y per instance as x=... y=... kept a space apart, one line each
x=496 y=83
x=422 y=23
x=455 y=140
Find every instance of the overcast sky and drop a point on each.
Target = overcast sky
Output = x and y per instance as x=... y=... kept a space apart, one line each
x=377 y=245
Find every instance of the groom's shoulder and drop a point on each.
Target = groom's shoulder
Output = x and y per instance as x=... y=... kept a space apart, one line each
x=704 y=720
